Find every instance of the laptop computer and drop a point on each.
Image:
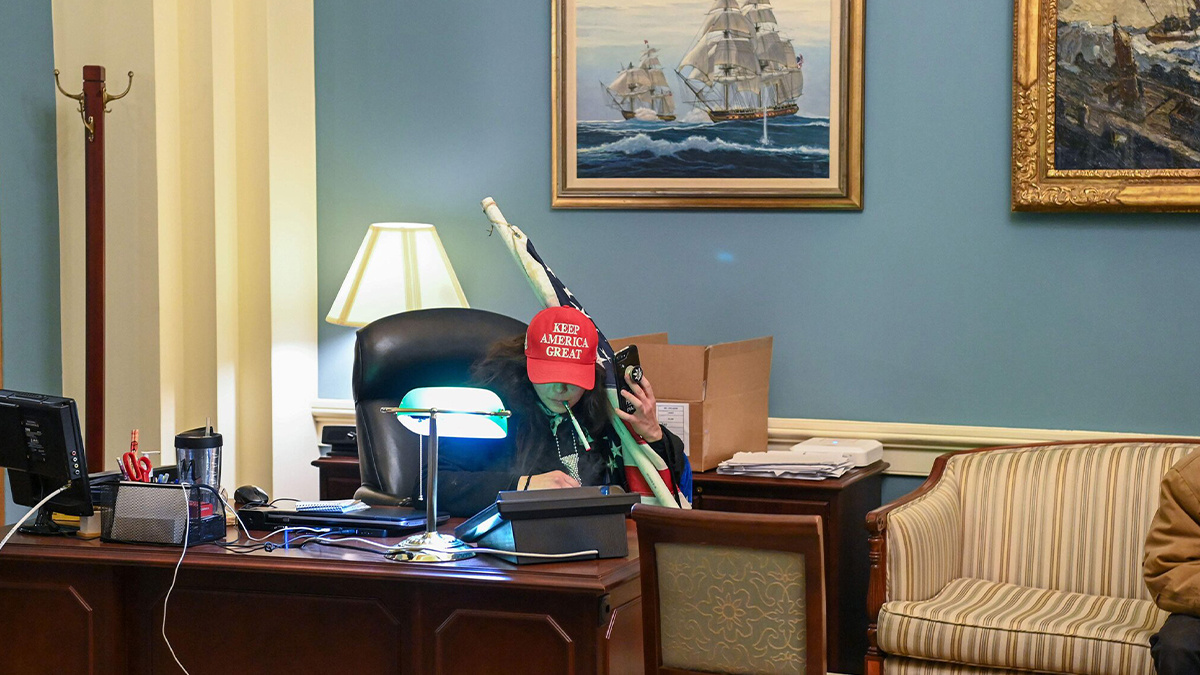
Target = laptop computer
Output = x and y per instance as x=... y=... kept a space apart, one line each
x=375 y=521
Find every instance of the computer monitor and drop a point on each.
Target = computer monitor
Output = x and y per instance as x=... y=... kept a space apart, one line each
x=41 y=446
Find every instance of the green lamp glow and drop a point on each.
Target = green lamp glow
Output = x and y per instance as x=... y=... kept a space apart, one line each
x=462 y=412
x=459 y=412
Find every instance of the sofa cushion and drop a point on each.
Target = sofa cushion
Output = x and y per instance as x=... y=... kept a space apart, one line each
x=1000 y=625
x=897 y=665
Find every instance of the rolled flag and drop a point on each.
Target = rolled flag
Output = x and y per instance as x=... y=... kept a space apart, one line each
x=645 y=472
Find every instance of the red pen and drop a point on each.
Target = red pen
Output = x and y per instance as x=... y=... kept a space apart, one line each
x=133 y=439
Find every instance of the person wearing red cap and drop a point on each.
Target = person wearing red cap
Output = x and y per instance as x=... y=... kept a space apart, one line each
x=559 y=434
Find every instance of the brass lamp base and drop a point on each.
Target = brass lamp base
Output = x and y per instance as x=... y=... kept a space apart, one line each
x=431 y=547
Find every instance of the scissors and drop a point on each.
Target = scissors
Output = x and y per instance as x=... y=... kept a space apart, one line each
x=137 y=467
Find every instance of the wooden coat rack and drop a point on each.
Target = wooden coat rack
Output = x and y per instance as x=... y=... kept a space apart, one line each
x=93 y=103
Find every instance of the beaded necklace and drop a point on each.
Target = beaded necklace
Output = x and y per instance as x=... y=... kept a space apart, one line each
x=570 y=461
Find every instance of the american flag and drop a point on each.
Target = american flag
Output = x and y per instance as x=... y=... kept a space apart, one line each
x=563 y=297
x=645 y=471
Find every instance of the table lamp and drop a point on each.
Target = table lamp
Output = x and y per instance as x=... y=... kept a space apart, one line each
x=399 y=267
x=458 y=412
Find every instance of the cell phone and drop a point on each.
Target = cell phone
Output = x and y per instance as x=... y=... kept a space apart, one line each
x=622 y=360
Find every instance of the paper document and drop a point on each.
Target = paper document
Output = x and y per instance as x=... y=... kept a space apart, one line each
x=333 y=506
x=674 y=416
x=805 y=465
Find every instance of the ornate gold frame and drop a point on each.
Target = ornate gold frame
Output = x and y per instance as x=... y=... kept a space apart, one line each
x=846 y=193
x=1036 y=184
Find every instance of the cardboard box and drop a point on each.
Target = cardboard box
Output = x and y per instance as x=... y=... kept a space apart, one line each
x=719 y=393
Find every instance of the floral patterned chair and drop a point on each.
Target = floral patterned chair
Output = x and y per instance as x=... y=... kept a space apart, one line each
x=731 y=592
x=1020 y=559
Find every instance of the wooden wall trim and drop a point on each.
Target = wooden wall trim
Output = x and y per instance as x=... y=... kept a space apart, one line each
x=909 y=448
x=912 y=448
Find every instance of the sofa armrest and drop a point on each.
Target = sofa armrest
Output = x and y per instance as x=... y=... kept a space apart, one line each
x=923 y=542
x=915 y=547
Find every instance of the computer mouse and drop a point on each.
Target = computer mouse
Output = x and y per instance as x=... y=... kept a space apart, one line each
x=250 y=495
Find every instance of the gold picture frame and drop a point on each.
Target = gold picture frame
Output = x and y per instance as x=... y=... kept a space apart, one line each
x=1096 y=125
x=671 y=164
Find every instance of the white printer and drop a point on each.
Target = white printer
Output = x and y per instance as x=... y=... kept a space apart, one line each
x=858 y=451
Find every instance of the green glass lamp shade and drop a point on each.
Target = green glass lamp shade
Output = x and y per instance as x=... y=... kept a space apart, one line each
x=462 y=412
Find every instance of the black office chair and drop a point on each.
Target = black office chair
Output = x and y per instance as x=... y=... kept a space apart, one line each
x=392 y=355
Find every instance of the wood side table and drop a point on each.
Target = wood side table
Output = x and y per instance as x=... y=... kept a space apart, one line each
x=339 y=476
x=843 y=504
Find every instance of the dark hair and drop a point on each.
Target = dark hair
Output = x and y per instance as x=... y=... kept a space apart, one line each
x=503 y=370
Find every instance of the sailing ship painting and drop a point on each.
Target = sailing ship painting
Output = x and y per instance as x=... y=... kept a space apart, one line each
x=1127 y=91
x=642 y=91
x=1180 y=23
x=740 y=67
x=717 y=90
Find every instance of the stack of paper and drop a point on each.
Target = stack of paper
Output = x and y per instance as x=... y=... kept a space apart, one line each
x=801 y=464
x=333 y=506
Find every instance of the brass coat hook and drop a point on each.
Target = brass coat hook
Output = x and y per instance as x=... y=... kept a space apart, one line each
x=89 y=122
x=108 y=98
x=77 y=97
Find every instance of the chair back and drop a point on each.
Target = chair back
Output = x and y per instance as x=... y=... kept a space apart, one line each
x=731 y=592
x=392 y=355
x=1062 y=516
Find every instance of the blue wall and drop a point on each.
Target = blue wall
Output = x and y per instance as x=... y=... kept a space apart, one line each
x=28 y=204
x=934 y=304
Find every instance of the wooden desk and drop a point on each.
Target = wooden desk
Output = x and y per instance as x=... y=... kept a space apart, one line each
x=843 y=504
x=73 y=606
x=339 y=476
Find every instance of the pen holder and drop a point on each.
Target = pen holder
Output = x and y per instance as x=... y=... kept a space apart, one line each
x=158 y=513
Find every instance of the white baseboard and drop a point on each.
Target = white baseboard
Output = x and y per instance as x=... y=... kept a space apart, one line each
x=909 y=448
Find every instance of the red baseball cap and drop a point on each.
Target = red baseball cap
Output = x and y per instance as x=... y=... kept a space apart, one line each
x=560 y=346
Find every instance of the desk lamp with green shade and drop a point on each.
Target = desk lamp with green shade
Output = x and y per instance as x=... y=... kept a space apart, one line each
x=401 y=267
x=458 y=412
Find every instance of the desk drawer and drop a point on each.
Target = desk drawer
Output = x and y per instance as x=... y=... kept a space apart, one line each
x=741 y=504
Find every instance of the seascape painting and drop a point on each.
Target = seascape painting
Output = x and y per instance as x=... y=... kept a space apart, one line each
x=796 y=147
x=660 y=101
x=1127 y=93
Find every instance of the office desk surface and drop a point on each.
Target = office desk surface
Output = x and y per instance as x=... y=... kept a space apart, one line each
x=78 y=606
x=334 y=561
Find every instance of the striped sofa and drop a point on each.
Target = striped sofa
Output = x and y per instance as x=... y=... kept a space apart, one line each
x=1021 y=558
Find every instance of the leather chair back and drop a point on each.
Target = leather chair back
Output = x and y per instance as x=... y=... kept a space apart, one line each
x=392 y=355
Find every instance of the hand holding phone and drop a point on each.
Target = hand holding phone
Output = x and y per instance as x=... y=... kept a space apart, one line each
x=623 y=360
x=642 y=420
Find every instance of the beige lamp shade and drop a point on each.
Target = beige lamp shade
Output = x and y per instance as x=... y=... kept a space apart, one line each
x=399 y=267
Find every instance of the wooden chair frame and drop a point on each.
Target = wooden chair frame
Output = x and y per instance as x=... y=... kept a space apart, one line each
x=790 y=533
